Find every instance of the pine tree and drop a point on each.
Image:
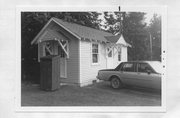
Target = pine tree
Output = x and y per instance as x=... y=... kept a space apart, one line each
x=155 y=31
x=134 y=32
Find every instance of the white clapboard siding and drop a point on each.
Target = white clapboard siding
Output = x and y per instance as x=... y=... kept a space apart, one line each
x=88 y=71
x=115 y=58
x=123 y=56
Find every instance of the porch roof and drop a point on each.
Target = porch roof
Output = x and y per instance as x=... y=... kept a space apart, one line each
x=51 y=35
x=118 y=39
x=112 y=39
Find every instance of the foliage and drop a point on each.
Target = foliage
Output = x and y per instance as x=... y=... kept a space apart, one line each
x=134 y=32
x=155 y=31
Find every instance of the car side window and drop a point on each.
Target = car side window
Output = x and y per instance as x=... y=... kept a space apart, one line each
x=143 y=67
x=128 y=67
x=119 y=67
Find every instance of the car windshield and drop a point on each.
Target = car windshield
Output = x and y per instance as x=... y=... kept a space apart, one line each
x=157 y=66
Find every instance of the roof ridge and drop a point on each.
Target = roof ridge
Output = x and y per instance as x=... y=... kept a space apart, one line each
x=82 y=25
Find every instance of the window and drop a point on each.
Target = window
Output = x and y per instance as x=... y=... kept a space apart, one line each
x=128 y=67
x=110 y=53
x=119 y=54
x=143 y=67
x=119 y=67
x=95 y=53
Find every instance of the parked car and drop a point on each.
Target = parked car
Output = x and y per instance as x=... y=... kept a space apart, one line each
x=136 y=73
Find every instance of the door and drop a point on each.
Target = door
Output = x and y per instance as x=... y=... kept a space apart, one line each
x=63 y=63
x=128 y=73
x=147 y=77
x=110 y=63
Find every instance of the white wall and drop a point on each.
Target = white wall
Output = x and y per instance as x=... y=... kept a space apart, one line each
x=88 y=71
x=115 y=58
x=123 y=56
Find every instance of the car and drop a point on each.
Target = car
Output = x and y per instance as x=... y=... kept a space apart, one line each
x=136 y=73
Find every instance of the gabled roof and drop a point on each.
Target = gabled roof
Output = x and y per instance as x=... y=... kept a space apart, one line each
x=112 y=39
x=84 y=31
x=81 y=32
x=118 y=39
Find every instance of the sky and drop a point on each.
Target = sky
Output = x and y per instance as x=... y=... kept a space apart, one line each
x=149 y=16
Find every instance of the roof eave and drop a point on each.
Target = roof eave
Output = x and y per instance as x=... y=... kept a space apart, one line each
x=52 y=19
x=35 y=39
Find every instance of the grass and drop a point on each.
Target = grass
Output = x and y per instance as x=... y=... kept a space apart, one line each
x=98 y=94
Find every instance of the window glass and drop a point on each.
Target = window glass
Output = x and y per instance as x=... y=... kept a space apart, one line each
x=143 y=67
x=129 y=67
x=95 y=53
x=95 y=58
x=119 y=54
x=119 y=67
x=110 y=54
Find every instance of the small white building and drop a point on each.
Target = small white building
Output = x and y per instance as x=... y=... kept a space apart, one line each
x=82 y=50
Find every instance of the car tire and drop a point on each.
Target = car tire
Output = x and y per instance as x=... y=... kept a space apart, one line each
x=116 y=83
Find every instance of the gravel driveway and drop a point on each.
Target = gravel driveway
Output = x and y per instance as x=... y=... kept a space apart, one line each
x=98 y=94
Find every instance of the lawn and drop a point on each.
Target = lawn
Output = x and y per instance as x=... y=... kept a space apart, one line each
x=98 y=94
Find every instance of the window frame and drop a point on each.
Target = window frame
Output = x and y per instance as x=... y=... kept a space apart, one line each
x=98 y=58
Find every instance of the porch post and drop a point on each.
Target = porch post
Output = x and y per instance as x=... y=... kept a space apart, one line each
x=63 y=47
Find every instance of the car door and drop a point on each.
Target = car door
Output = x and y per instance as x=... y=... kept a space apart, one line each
x=128 y=73
x=146 y=77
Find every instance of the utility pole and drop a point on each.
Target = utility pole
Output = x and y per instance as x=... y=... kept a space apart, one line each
x=150 y=41
x=121 y=20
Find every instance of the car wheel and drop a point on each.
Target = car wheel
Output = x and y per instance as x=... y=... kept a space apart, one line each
x=116 y=83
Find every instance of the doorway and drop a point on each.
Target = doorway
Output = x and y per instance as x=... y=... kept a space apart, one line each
x=110 y=59
x=63 y=63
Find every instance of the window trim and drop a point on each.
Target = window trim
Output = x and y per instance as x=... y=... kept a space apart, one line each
x=93 y=53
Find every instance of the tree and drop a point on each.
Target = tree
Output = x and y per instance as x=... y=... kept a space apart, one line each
x=111 y=22
x=155 y=31
x=134 y=32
